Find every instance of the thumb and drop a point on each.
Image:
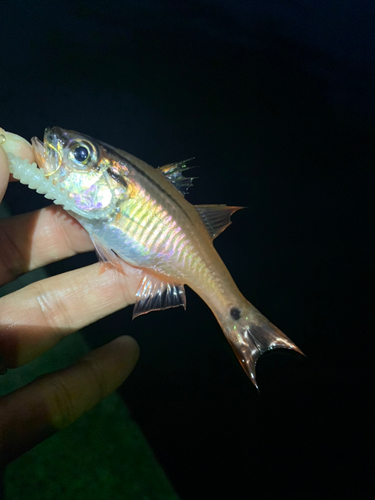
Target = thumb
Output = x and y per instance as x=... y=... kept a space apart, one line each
x=4 y=172
x=12 y=143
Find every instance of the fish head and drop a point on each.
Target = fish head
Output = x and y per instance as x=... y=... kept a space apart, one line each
x=91 y=176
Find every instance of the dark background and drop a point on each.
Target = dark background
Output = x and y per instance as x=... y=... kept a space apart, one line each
x=275 y=99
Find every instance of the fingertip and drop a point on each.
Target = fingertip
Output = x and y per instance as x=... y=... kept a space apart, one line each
x=13 y=143
x=4 y=172
x=3 y=160
x=114 y=361
x=129 y=345
x=92 y=378
x=120 y=357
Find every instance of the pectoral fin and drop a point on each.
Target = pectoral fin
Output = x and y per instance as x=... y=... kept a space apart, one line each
x=154 y=294
x=108 y=257
x=104 y=254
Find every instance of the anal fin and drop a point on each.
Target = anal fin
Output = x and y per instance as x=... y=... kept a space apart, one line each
x=154 y=294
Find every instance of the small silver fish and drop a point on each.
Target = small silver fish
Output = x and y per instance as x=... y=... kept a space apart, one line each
x=137 y=216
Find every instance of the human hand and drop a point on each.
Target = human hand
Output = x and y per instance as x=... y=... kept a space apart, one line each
x=36 y=317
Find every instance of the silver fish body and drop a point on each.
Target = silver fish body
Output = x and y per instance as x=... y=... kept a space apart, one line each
x=138 y=215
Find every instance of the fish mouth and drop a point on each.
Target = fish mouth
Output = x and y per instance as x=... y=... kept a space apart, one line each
x=49 y=153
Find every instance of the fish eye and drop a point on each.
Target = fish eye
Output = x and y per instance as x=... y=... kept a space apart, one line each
x=81 y=154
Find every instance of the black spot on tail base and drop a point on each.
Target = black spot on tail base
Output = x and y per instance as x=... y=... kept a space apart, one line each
x=235 y=313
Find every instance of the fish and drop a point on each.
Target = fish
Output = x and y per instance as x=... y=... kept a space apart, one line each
x=140 y=221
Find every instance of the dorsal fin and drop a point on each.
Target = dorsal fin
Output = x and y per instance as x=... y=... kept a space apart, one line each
x=174 y=173
x=154 y=294
x=216 y=217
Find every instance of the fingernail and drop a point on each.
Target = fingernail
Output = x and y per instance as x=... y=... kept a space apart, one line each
x=14 y=142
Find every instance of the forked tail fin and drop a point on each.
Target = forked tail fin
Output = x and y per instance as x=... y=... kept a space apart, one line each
x=251 y=334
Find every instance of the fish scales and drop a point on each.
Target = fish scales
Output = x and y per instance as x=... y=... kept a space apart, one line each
x=160 y=225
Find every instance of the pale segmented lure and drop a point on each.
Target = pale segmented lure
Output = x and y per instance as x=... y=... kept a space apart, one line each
x=137 y=214
x=35 y=178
